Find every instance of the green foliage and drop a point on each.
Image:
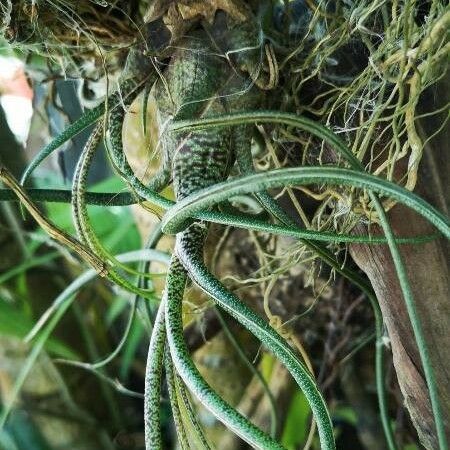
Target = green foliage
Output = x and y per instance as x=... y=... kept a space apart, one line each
x=114 y=225
x=296 y=425
x=17 y=323
x=22 y=434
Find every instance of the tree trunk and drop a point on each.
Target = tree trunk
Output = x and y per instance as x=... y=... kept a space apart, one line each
x=428 y=272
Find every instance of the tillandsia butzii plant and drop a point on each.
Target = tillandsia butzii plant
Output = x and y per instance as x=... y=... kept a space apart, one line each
x=212 y=68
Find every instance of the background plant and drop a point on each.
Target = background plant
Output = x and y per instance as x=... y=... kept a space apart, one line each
x=399 y=53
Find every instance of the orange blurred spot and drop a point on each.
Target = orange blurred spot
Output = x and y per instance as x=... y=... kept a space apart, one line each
x=16 y=84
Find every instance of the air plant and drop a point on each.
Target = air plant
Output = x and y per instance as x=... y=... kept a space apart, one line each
x=214 y=71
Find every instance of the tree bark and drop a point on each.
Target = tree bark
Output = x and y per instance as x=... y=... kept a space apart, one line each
x=428 y=272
